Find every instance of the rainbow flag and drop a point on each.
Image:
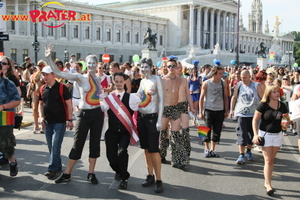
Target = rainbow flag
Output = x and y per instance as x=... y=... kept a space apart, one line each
x=202 y=131
x=7 y=118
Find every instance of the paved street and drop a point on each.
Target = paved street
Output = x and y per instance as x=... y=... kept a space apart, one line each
x=204 y=178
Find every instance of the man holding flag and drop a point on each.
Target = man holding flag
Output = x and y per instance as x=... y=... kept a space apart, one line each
x=121 y=128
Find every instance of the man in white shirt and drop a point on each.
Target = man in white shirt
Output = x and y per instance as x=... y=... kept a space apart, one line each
x=120 y=127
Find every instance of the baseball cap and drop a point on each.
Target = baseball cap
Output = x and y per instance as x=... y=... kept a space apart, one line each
x=47 y=70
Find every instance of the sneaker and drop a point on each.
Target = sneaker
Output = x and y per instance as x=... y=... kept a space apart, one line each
x=178 y=165
x=63 y=178
x=158 y=187
x=149 y=181
x=117 y=177
x=249 y=156
x=92 y=178
x=36 y=131
x=206 y=153
x=123 y=185
x=240 y=160
x=214 y=154
x=13 y=168
x=50 y=174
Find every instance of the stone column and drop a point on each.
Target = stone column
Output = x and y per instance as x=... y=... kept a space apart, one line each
x=70 y=30
x=103 y=30
x=199 y=26
x=224 y=30
x=179 y=29
x=230 y=32
x=81 y=30
x=113 y=31
x=165 y=41
x=191 y=30
x=92 y=29
x=212 y=28
x=141 y=34
x=218 y=27
x=16 y=12
x=123 y=32
x=28 y=23
x=205 y=29
x=132 y=32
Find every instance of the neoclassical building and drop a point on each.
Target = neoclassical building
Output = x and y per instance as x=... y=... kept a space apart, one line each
x=118 y=28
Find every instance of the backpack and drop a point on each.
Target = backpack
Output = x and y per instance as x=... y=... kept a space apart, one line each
x=61 y=93
x=18 y=117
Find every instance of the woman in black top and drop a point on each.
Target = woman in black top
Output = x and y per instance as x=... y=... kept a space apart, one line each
x=135 y=80
x=270 y=111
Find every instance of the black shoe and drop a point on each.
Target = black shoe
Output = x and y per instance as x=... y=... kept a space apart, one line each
x=63 y=178
x=163 y=160
x=50 y=174
x=158 y=187
x=149 y=181
x=92 y=178
x=270 y=192
x=178 y=165
x=117 y=177
x=123 y=185
x=13 y=168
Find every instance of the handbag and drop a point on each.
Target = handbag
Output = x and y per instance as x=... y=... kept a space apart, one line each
x=261 y=140
x=18 y=121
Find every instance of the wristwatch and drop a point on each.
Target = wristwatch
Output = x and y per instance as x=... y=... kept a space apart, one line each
x=70 y=120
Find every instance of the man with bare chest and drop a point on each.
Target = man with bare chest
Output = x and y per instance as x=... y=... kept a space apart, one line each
x=171 y=114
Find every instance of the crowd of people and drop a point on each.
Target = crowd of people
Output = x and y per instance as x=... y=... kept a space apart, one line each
x=124 y=103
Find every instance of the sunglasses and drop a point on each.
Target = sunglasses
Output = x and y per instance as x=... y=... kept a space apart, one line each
x=171 y=66
x=285 y=79
x=4 y=63
x=101 y=68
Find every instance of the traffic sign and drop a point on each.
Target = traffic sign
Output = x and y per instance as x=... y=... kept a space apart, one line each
x=106 y=58
x=4 y=37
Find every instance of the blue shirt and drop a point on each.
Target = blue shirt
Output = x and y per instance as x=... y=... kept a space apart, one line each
x=8 y=92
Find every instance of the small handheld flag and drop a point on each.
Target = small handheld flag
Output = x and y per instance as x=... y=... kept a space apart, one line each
x=202 y=131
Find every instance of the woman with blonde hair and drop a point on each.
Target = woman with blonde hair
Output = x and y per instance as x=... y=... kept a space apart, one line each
x=270 y=112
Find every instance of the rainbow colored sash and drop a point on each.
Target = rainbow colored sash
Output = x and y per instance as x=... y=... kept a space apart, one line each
x=7 y=118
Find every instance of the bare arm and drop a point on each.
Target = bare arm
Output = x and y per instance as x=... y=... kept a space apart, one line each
x=9 y=105
x=260 y=91
x=233 y=100
x=128 y=85
x=70 y=113
x=256 y=118
x=226 y=99
x=201 y=100
x=160 y=89
x=189 y=97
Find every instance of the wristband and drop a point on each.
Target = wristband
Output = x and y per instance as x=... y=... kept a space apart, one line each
x=3 y=107
x=70 y=120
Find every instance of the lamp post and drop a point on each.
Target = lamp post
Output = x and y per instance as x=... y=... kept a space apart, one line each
x=35 y=43
x=238 y=35
x=66 y=55
x=206 y=44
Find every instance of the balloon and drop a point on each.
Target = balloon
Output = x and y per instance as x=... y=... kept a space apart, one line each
x=83 y=65
x=215 y=60
x=232 y=62
x=136 y=58
x=218 y=62
x=295 y=64
x=158 y=64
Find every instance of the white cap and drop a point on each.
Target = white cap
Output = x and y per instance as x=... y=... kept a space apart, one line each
x=47 y=69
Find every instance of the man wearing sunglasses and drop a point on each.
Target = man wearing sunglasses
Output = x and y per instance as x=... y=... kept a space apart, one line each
x=171 y=114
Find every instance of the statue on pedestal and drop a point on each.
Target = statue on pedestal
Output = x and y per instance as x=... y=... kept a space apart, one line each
x=150 y=39
x=262 y=51
x=217 y=49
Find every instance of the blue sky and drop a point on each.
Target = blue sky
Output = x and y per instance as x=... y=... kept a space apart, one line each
x=287 y=11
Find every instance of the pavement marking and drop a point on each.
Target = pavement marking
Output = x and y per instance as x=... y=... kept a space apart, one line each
x=114 y=185
x=289 y=145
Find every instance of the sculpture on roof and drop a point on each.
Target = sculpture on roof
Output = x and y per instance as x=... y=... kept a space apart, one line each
x=150 y=39
x=276 y=27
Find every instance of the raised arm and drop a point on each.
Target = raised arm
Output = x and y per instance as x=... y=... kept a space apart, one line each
x=57 y=72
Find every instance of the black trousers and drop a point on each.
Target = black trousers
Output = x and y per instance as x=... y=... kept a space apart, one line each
x=88 y=121
x=116 y=151
x=214 y=121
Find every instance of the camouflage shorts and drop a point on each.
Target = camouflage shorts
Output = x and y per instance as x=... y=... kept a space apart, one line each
x=7 y=141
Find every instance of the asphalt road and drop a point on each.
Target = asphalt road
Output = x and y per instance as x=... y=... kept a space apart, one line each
x=204 y=178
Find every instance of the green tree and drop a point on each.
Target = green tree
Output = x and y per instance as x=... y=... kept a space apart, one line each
x=296 y=46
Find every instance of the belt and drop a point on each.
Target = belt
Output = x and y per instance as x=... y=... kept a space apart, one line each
x=76 y=98
x=148 y=115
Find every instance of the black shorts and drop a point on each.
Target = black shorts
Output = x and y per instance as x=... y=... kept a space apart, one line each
x=148 y=134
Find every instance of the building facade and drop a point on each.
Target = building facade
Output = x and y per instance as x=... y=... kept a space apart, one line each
x=118 y=28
